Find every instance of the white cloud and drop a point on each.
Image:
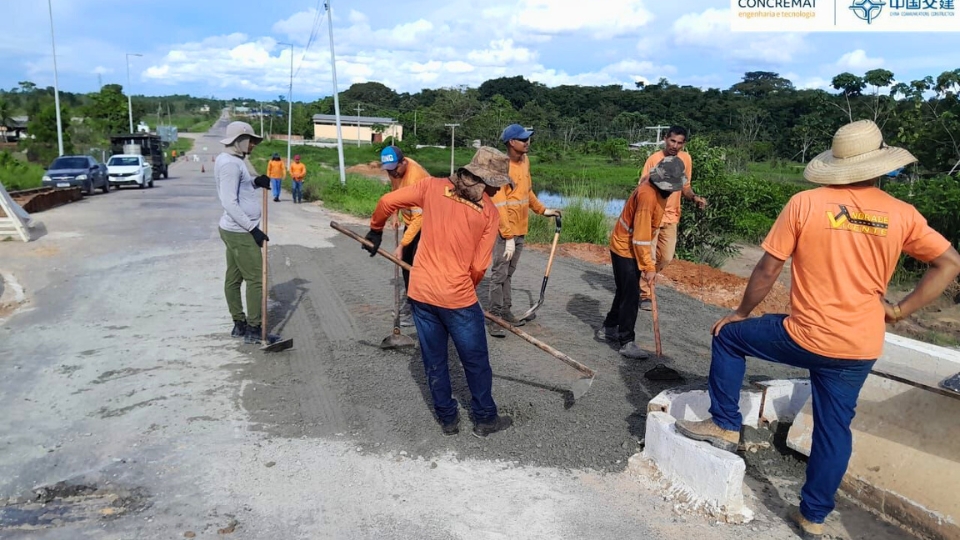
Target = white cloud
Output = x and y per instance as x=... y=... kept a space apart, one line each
x=857 y=61
x=615 y=18
x=501 y=52
x=710 y=30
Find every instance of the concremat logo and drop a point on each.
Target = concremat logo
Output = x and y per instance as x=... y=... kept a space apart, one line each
x=843 y=16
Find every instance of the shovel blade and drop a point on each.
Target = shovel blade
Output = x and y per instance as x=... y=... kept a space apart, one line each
x=397 y=341
x=277 y=346
x=580 y=387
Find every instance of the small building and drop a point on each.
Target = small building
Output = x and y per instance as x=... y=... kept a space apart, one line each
x=369 y=129
x=14 y=129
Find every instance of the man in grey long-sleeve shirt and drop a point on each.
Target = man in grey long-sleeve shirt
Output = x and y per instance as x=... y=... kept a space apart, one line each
x=240 y=229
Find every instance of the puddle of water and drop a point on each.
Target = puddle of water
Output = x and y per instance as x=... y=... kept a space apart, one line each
x=611 y=207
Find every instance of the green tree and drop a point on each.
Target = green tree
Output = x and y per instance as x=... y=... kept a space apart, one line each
x=42 y=145
x=107 y=110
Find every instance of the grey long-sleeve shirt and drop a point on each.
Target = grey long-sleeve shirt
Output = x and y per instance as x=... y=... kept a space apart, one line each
x=238 y=195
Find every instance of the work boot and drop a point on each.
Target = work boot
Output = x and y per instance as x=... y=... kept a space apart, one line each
x=706 y=430
x=252 y=336
x=511 y=318
x=607 y=333
x=808 y=529
x=633 y=351
x=276 y=199
x=452 y=428
x=239 y=329
x=500 y=423
x=495 y=330
x=646 y=304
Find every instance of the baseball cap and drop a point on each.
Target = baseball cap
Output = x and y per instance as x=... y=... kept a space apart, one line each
x=669 y=175
x=296 y=156
x=515 y=131
x=276 y=155
x=390 y=158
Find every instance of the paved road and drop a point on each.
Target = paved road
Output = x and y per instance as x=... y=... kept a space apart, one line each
x=120 y=382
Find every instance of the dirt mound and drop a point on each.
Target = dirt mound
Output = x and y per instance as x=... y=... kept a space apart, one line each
x=371 y=169
x=705 y=283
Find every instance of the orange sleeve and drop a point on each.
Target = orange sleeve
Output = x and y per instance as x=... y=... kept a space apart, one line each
x=535 y=203
x=688 y=164
x=391 y=202
x=922 y=242
x=413 y=228
x=500 y=201
x=483 y=255
x=647 y=165
x=642 y=240
x=782 y=238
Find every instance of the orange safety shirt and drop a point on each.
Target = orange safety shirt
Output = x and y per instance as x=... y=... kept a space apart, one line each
x=276 y=169
x=632 y=235
x=298 y=171
x=456 y=241
x=845 y=243
x=412 y=217
x=515 y=202
x=672 y=213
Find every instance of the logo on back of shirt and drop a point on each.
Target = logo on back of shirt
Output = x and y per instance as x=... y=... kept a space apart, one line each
x=855 y=220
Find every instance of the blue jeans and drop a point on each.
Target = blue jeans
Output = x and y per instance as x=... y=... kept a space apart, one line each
x=465 y=325
x=835 y=386
x=297 y=191
x=275 y=184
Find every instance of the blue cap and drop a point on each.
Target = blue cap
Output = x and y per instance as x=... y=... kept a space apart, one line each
x=515 y=131
x=390 y=158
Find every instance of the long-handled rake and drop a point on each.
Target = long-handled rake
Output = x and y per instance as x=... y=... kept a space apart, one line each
x=578 y=388
x=546 y=276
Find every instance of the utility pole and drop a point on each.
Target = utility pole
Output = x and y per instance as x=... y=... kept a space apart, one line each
x=129 y=99
x=261 y=119
x=659 y=129
x=289 y=104
x=414 y=122
x=453 y=130
x=56 y=83
x=336 y=99
x=358 y=125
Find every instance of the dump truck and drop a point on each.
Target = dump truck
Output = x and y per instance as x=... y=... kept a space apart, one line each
x=147 y=145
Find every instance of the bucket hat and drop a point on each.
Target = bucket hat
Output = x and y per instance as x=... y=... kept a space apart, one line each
x=669 y=175
x=237 y=129
x=858 y=153
x=490 y=165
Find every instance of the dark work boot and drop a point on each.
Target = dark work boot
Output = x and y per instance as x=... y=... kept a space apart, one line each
x=500 y=423
x=511 y=318
x=452 y=428
x=253 y=335
x=239 y=329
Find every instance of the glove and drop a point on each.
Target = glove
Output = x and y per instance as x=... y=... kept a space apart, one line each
x=262 y=181
x=511 y=247
x=374 y=237
x=258 y=236
x=551 y=212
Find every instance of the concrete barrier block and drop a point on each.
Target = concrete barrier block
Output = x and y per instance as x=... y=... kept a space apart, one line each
x=710 y=478
x=800 y=436
x=782 y=399
x=695 y=405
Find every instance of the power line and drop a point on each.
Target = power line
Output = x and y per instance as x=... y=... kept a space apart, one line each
x=317 y=23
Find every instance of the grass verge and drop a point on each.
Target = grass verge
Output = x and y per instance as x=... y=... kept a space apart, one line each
x=16 y=174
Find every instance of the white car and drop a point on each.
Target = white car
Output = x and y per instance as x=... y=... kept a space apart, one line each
x=129 y=170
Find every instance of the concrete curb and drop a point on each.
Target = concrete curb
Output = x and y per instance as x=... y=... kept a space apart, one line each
x=12 y=296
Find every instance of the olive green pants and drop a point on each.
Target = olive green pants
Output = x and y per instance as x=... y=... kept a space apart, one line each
x=244 y=263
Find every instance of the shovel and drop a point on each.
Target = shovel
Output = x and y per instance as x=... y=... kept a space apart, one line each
x=279 y=344
x=396 y=340
x=659 y=372
x=528 y=316
x=578 y=388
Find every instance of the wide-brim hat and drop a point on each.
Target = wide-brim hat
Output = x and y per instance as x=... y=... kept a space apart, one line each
x=237 y=129
x=490 y=165
x=858 y=153
x=669 y=175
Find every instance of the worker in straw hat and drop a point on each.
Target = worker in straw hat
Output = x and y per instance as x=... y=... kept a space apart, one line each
x=457 y=234
x=845 y=238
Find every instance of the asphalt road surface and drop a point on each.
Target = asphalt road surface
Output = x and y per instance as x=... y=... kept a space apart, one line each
x=129 y=412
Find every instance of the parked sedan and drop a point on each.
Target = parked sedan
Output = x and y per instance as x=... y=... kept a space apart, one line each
x=129 y=170
x=77 y=171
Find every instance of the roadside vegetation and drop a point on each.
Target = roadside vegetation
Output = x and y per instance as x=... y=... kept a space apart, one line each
x=17 y=174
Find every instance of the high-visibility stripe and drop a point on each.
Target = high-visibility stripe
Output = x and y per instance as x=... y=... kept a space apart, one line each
x=641 y=243
x=625 y=226
x=412 y=211
x=513 y=203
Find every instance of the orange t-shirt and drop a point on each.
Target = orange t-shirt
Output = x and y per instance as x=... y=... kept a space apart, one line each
x=515 y=203
x=632 y=235
x=276 y=169
x=412 y=217
x=298 y=170
x=456 y=241
x=672 y=213
x=845 y=242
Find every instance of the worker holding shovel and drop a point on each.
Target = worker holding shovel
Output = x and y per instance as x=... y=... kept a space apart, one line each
x=459 y=228
x=240 y=229
x=514 y=203
x=631 y=244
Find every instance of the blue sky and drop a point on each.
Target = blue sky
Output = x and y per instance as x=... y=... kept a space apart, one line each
x=231 y=48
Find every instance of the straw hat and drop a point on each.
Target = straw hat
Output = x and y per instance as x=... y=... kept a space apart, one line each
x=490 y=165
x=858 y=153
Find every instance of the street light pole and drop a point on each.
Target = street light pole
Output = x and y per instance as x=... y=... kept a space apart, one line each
x=336 y=100
x=289 y=104
x=453 y=129
x=129 y=99
x=56 y=83
x=358 y=125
